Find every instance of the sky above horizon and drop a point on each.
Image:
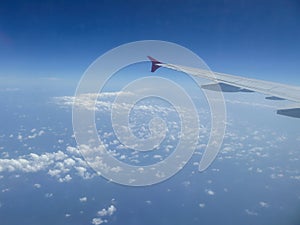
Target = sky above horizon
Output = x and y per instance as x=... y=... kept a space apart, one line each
x=258 y=39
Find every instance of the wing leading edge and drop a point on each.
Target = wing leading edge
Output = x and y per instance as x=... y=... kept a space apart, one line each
x=232 y=83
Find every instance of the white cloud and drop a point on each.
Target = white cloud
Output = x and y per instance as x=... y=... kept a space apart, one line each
x=158 y=157
x=116 y=169
x=102 y=212
x=209 y=192
x=69 y=162
x=20 y=137
x=98 y=221
x=258 y=170
x=37 y=185
x=104 y=101
x=160 y=174
x=201 y=205
x=58 y=164
x=34 y=134
x=149 y=202
x=295 y=177
x=54 y=173
x=67 y=178
x=87 y=101
x=49 y=195
x=111 y=210
x=264 y=204
x=186 y=183
x=107 y=212
x=83 y=199
x=251 y=213
x=5 y=190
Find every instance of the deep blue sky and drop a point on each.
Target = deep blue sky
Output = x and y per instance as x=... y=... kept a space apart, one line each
x=61 y=38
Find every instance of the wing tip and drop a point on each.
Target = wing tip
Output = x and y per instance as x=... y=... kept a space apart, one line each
x=155 y=63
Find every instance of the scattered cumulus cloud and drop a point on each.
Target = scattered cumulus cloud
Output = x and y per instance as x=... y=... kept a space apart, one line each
x=104 y=214
x=107 y=212
x=49 y=195
x=37 y=185
x=83 y=199
x=201 y=205
x=209 y=192
x=264 y=204
x=58 y=164
x=5 y=190
x=67 y=178
x=251 y=213
x=98 y=221
x=148 y=202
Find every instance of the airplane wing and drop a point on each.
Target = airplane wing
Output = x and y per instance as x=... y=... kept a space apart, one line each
x=232 y=83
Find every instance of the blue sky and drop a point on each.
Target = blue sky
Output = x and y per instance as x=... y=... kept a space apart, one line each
x=61 y=38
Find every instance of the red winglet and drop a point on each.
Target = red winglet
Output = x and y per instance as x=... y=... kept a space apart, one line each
x=154 y=66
